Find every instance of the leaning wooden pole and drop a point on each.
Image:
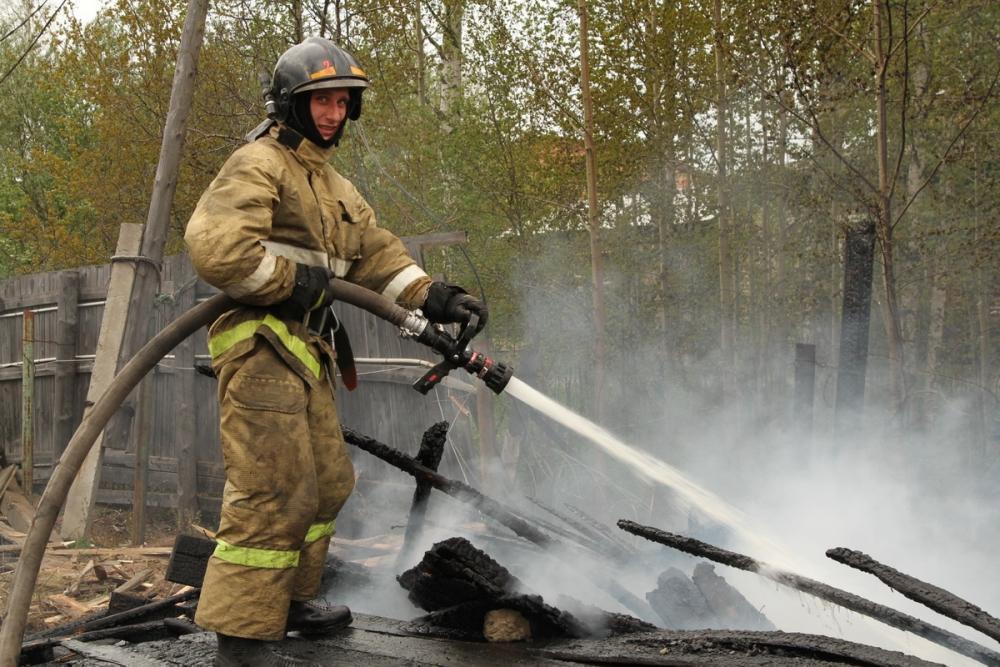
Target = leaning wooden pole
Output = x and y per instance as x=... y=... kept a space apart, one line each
x=855 y=603
x=454 y=488
x=938 y=599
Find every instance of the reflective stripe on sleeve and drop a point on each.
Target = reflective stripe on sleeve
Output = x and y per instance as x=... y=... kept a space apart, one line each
x=401 y=281
x=319 y=530
x=222 y=341
x=297 y=254
x=255 y=280
x=252 y=557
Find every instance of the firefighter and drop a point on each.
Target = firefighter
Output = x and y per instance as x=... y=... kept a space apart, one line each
x=272 y=228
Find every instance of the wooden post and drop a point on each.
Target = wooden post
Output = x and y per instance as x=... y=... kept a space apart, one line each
x=65 y=375
x=80 y=500
x=154 y=236
x=186 y=406
x=859 y=257
x=27 y=398
x=144 y=433
x=805 y=386
x=429 y=455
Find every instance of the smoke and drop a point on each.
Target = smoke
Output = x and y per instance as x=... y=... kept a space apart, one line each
x=919 y=502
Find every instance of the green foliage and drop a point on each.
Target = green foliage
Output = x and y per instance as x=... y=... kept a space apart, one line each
x=80 y=136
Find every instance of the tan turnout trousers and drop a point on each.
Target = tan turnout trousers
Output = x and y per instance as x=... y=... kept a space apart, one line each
x=287 y=476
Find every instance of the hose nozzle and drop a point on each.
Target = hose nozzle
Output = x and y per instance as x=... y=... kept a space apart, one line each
x=457 y=354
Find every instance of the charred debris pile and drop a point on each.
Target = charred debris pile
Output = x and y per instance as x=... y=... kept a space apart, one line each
x=472 y=599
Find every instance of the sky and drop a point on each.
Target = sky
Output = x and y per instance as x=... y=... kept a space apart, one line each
x=85 y=10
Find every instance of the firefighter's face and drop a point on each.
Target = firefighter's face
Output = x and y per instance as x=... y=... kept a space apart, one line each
x=329 y=109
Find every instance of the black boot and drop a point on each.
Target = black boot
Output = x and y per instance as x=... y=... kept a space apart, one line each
x=240 y=652
x=314 y=620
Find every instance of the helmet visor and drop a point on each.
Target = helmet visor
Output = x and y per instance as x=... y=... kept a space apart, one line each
x=344 y=82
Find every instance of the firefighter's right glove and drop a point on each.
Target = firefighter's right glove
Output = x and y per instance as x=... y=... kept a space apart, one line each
x=447 y=304
x=311 y=292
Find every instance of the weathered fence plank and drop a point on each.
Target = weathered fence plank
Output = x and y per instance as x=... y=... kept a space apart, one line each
x=65 y=366
x=27 y=401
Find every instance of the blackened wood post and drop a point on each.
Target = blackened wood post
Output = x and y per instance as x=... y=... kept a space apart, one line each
x=805 y=386
x=859 y=255
x=186 y=407
x=431 y=450
x=27 y=401
x=67 y=322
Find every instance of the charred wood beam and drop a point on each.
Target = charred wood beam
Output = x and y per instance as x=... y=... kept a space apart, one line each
x=453 y=488
x=119 y=619
x=855 y=603
x=431 y=450
x=148 y=630
x=938 y=599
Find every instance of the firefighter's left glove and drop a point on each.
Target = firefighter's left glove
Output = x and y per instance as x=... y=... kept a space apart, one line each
x=311 y=292
x=446 y=304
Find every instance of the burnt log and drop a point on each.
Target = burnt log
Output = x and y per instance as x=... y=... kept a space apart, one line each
x=454 y=488
x=732 y=611
x=855 y=603
x=933 y=597
x=431 y=450
x=460 y=585
x=679 y=603
x=454 y=572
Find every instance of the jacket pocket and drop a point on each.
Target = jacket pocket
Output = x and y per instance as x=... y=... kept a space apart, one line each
x=347 y=231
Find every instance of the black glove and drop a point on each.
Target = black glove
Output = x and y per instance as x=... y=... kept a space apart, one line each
x=311 y=292
x=450 y=303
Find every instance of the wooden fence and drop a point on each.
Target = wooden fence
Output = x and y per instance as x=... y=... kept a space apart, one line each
x=67 y=307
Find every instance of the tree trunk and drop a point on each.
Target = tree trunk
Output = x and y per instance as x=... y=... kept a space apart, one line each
x=418 y=35
x=727 y=287
x=451 y=58
x=883 y=222
x=593 y=219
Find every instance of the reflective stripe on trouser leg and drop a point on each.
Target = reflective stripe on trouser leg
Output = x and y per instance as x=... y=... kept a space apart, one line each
x=270 y=499
x=334 y=481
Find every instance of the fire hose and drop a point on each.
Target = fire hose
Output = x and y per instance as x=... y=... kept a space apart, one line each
x=455 y=351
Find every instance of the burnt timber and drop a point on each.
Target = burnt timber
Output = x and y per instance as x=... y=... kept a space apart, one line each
x=938 y=599
x=887 y=615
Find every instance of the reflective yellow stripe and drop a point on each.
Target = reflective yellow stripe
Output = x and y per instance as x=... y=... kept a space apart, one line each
x=251 y=557
x=221 y=342
x=319 y=530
